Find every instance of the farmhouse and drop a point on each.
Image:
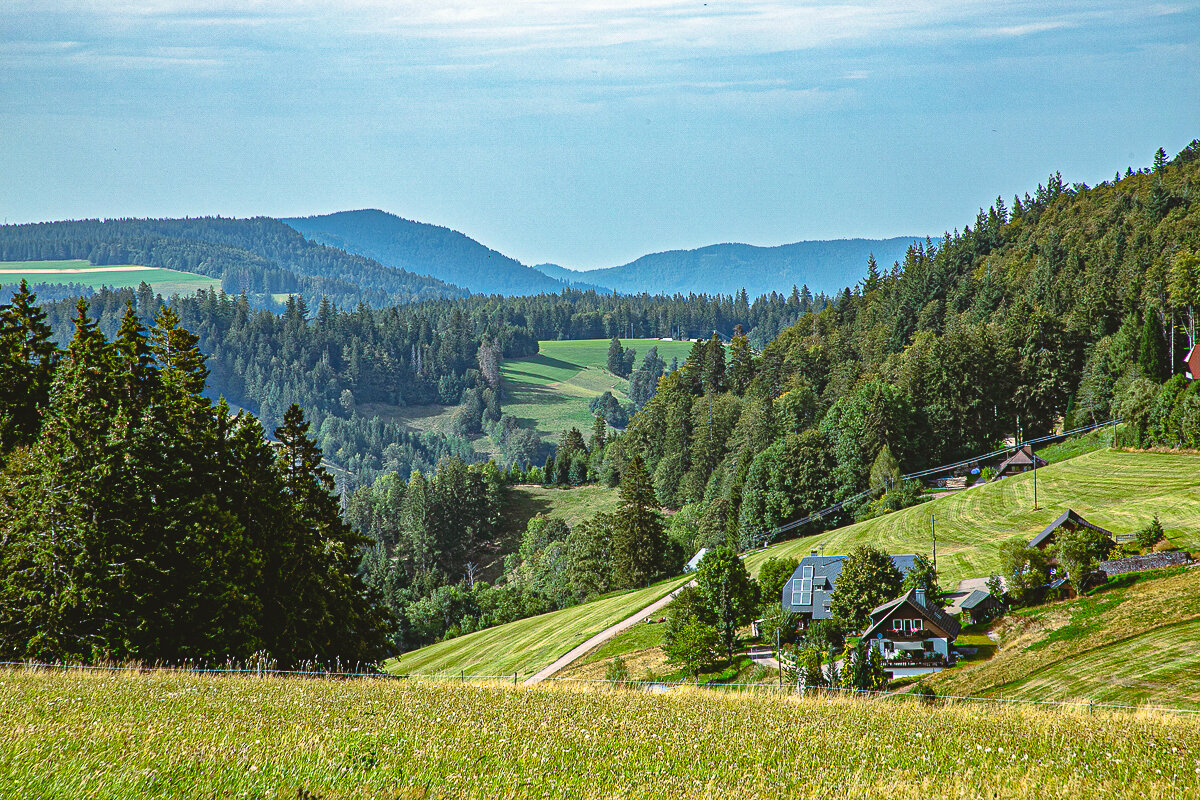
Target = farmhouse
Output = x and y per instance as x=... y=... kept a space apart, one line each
x=1068 y=521
x=810 y=588
x=1021 y=461
x=912 y=634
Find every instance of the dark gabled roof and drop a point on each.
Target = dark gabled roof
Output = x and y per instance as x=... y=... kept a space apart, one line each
x=1067 y=516
x=1024 y=457
x=880 y=615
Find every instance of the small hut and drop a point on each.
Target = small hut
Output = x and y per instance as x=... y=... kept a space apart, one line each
x=1069 y=521
x=1021 y=461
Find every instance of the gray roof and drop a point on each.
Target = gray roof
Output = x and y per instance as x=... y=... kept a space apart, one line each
x=1068 y=517
x=825 y=570
x=694 y=564
x=880 y=615
x=976 y=597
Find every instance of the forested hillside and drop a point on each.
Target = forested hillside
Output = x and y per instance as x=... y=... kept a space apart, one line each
x=827 y=266
x=1060 y=308
x=261 y=257
x=425 y=249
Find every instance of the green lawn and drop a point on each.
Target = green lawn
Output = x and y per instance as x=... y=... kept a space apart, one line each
x=164 y=281
x=1135 y=641
x=106 y=736
x=1116 y=490
x=527 y=645
x=550 y=391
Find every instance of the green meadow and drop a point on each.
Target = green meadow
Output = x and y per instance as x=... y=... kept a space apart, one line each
x=527 y=645
x=164 y=281
x=550 y=391
x=103 y=735
x=1135 y=640
x=1117 y=490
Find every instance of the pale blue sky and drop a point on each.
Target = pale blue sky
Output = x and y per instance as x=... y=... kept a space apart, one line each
x=585 y=133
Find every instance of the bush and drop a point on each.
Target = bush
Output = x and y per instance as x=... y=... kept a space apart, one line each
x=986 y=474
x=1150 y=535
x=617 y=672
x=925 y=692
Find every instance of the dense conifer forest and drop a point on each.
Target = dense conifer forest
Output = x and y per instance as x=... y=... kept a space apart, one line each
x=140 y=520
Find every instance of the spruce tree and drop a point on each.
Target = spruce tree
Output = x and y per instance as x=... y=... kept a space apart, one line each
x=741 y=362
x=639 y=542
x=27 y=360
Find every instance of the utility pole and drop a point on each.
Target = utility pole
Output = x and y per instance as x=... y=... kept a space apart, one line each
x=1035 y=508
x=933 y=532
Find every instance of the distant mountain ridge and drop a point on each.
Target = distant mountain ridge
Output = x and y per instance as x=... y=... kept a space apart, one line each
x=453 y=257
x=426 y=250
x=824 y=265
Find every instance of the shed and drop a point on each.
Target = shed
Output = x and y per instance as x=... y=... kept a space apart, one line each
x=1192 y=363
x=1021 y=461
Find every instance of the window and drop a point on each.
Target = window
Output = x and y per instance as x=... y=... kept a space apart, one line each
x=916 y=624
x=806 y=571
x=806 y=591
x=908 y=626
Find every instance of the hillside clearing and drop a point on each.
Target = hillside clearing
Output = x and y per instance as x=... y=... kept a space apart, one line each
x=1117 y=490
x=1136 y=640
x=550 y=391
x=166 y=282
x=181 y=735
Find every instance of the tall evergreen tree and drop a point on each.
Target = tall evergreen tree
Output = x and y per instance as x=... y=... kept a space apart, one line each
x=639 y=542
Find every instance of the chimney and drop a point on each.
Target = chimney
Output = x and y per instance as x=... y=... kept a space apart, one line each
x=812 y=552
x=920 y=597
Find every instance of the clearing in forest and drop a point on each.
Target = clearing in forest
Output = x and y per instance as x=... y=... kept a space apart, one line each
x=550 y=391
x=166 y=282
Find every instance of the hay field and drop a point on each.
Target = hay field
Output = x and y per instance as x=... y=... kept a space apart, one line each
x=527 y=645
x=1135 y=641
x=184 y=736
x=1116 y=490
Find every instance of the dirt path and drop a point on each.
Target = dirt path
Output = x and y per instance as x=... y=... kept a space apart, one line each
x=604 y=635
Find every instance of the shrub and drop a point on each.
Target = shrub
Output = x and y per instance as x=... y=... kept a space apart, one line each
x=925 y=692
x=617 y=672
x=1151 y=534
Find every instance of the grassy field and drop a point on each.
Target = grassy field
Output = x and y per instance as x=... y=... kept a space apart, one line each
x=570 y=505
x=164 y=281
x=1135 y=641
x=1119 y=491
x=550 y=391
x=527 y=645
x=183 y=736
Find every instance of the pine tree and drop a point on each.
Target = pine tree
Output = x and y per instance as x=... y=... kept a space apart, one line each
x=27 y=360
x=616 y=357
x=1160 y=160
x=713 y=379
x=639 y=543
x=741 y=362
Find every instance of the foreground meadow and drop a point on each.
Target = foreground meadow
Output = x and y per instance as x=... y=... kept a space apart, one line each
x=101 y=735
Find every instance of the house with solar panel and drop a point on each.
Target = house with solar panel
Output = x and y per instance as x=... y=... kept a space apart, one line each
x=810 y=588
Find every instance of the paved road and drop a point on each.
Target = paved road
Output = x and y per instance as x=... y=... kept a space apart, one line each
x=604 y=635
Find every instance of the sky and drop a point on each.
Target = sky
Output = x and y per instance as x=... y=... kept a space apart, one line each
x=585 y=133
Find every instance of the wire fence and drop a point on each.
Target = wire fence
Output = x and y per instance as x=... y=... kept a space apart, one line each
x=773 y=535
x=780 y=688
